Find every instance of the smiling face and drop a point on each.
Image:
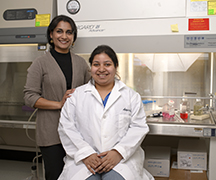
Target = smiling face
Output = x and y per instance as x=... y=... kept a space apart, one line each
x=103 y=70
x=62 y=37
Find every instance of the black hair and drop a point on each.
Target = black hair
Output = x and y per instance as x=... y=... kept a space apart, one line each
x=107 y=50
x=55 y=22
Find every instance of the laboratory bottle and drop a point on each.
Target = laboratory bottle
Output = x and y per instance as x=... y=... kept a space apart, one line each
x=198 y=107
x=145 y=102
x=150 y=105
x=154 y=105
x=184 y=109
x=168 y=111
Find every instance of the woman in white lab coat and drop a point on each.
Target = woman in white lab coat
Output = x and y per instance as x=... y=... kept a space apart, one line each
x=102 y=126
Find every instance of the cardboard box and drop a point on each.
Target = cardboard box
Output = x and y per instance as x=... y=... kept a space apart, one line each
x=157 y=160
x=161 y=178
x=192 y=154
x=183 y=174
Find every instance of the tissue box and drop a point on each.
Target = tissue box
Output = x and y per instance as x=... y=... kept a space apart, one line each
x=192 y=154
x=157 y=160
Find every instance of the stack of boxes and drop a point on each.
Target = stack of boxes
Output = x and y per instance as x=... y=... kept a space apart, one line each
x=191 y=161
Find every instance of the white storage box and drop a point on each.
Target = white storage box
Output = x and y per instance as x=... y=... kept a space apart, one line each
x=157 y=160
x=192 y=154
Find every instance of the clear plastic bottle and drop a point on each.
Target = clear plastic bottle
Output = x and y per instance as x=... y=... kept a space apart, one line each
x=149 y=105
x=197 y=107
x=154 y=105
x=184 y=109
x=145 y=102
x=168 y=111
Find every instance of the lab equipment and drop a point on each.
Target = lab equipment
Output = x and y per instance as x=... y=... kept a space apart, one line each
x=198 y=107
x=168 y=110
x=184 y=109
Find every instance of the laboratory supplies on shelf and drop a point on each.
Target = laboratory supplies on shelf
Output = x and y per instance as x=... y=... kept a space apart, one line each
x=149 y=105
x=168 y=111
x=198 y=107
x=184 y=109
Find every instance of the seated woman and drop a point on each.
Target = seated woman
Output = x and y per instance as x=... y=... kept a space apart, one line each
x=102 y=126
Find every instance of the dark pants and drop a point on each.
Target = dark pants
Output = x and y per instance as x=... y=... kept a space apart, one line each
x=53 y=161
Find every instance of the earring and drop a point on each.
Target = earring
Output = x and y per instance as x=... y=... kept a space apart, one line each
x=73 y=44
x=51 y=41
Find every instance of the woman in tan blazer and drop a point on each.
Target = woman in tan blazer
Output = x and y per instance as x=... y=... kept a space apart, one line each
x=49 y=83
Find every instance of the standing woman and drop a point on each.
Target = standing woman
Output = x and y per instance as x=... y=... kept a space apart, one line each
x=50 y=80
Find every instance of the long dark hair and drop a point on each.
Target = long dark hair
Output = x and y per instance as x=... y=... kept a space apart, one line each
x=55 y=22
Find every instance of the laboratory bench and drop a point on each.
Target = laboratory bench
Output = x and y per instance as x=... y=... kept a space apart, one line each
x=189 y=128
x=179 y=127
x=16 y=128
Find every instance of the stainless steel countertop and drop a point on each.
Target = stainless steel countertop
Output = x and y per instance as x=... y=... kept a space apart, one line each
x=179 y=127
x=157 y=125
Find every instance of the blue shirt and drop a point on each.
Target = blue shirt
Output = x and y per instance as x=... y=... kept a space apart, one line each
x=106 y=99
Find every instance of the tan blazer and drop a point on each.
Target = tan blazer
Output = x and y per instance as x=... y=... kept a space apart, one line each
x=46 y=79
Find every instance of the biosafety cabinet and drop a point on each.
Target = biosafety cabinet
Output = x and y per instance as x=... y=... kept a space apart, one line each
x=166 y=50
x=143 y=26
x=25 y=21
x=23 y=26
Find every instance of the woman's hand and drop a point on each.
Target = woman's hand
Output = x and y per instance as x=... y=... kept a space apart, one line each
x=92 y=162
x=43 y=103
x=66 y=95
x=109 y=160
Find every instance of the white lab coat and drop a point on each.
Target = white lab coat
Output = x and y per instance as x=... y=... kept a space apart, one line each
x=87 y=127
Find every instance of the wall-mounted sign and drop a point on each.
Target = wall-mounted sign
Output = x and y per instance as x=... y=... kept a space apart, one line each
x=200 y=24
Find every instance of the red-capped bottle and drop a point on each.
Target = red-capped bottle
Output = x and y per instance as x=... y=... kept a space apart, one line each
x=184 y=109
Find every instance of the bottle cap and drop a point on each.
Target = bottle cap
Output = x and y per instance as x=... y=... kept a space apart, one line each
x=170 y=102
x=145 y=101
x=184 y=98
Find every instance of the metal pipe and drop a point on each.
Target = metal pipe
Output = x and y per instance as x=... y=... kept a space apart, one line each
x=211 y=78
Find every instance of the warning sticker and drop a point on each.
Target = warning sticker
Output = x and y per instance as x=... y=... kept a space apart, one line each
x=42 y=20
x=198 y=24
